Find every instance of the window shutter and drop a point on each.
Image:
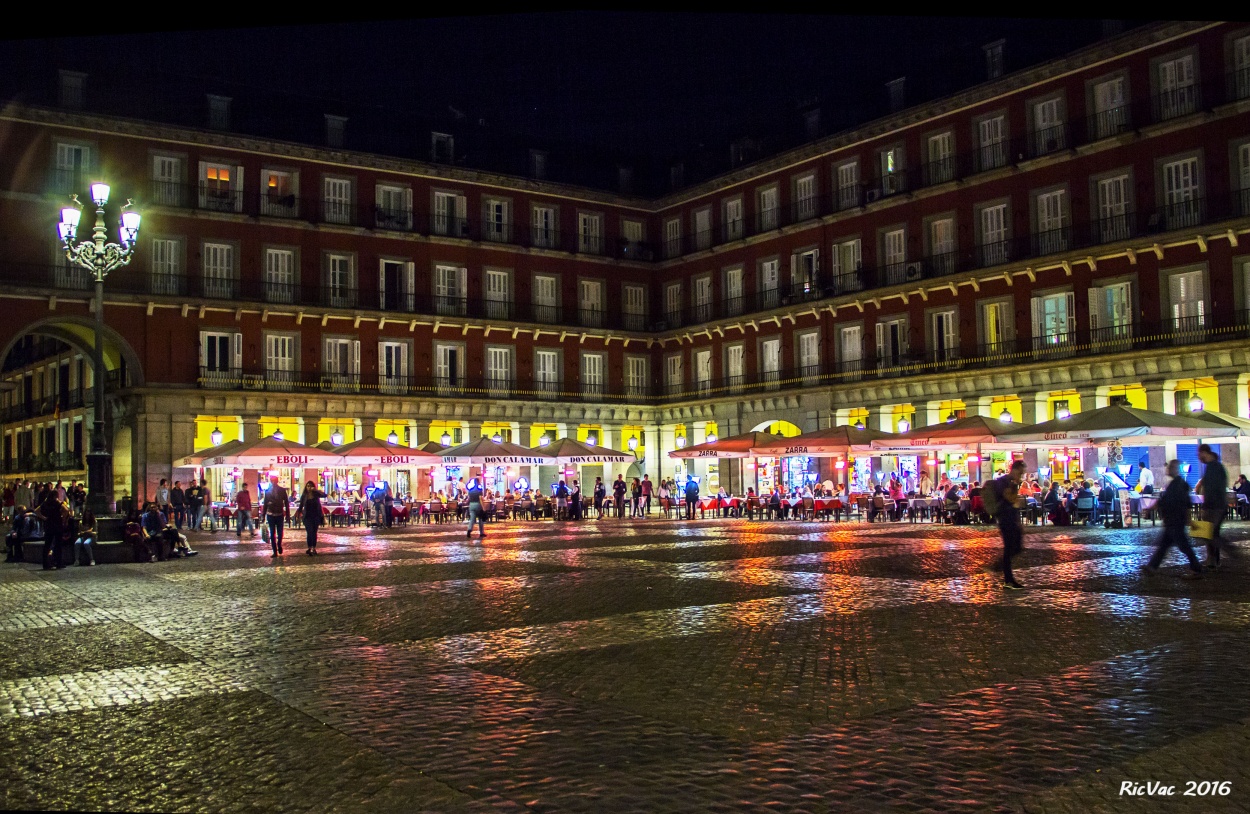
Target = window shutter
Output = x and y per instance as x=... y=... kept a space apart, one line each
x=355 y=371
x=203 y=351
x=327 y=356
x=1071 y=327
x=237 y=188
x=1096 y=295
x=1007 y=321
x=236 y=357
x=1036 y=305
x=902 y=337
x=880 y=340
x=377 y=196
x=410 y=279
x=462 y=207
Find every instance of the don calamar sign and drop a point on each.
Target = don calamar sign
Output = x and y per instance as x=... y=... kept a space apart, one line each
x=497 y=460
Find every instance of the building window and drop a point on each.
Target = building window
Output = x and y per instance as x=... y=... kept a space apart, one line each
x=1111 y=311
x=732 y=295
x=442 y=148
x=221 y=353
x=770 y=361
x=703 y=370
x=498 y=294
x=279 y=197
x=393 y=372
x=340 y=280
x=217 y=265
x=1188 y=300
x=397 y=285
x=221 y=187
x=1242 y=199
x=991 y=143
x=544 y=226
x=394 y=207
x=448 y=366
x=218 y=112
x=891 y=171
x=281 y=358
x=770 y=282
x=632 y=237
x=497 y=222
x=702 y=228
x=1054 y=319
x=845 y=263
x=1181 y=199
x=338 y=203
x=1048 y=129
x=342 y=361
x=809 y=354
x=449 y=290
x=943 y=335
x=804 y=273
x=1241 y=68
x=994 y=64
x=702 y=298
x=891 y=342
x=1178 y=92
x=634 y=307
x=941 y=246
x=167 y=180
x=734 y=369
x=768 y=207
x=941 y=165
x=589 y=233
x=450 y=214
x=499 y=370
x=997 y=319
x=72 y=84
x=166 y=256
x=280 y=280
x=636 y=378
x=73 y=162
x=672 y=237
x=672 y=304
x=1052 y=222
x=590 y=303
x=1110 y=108
x=733 y=219
x=894 y=246
x=592 y=374
x=674 y=377
x=995 y=249
x=546 y=298
x=805 y=197
x=547 y=371
x=1114 y=222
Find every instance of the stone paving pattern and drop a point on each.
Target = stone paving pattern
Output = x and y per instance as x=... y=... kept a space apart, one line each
x=639 y=666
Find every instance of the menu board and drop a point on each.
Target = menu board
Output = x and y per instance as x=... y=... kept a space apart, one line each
x=1125 y=507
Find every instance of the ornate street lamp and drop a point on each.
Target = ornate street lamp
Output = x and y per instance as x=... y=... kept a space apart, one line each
x=544 y=440
x=591 y=440
x=215 y=436
x=904 y=425
x=1195 y=403
x=446 y=439
x=1005 y=416
x=711 y=438
x=497 y=438
x=336 y=438
x=100 y=258
x=393 y=438
x=632 y=443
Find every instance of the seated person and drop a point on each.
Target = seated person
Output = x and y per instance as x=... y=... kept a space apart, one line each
x=132 y=535
x=525 y=507
x=17 y=536
x=1241 y=489
x=540 y=505
x=1106 y=501
x=177 y=542
x=86 y=536
x=152 y=525
x=954 y=510
x=775 y=505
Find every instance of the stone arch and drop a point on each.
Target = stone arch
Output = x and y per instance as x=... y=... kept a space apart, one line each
x=79 y=333
x=777 y=426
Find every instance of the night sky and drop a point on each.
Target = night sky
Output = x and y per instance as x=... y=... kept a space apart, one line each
x=647 y=84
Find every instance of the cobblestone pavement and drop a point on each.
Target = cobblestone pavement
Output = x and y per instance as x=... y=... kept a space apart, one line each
x=646 y=666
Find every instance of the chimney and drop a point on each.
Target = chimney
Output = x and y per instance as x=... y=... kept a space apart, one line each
x=336 y=130
x=994 y=59
x=677 y=175
x=897 y=95
x=811 y=123
x=625 y=179
x=71 y=89
x=538 y=164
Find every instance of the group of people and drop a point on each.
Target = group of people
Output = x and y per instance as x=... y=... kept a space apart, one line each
x=53 y=515
x=153 y=536
x=192 y=505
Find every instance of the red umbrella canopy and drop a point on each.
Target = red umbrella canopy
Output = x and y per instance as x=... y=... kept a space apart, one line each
x=376 y=452
x=735 y=446
x=833 y=442
x=961 y=433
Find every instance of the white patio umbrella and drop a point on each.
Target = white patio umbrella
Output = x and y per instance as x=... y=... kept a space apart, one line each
x=262 y=454
x=376 y=452
x=1145 y=427
x=485 y=452
x=197 y=459
x=567 y=452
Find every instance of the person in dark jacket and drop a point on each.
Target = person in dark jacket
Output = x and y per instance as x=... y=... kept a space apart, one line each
x=55 y=517
x=1214 y=490
x=1173 y=507
x=177 y=504
x=314 y=517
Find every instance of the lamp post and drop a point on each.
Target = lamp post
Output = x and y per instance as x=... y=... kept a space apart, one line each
x=99 y=257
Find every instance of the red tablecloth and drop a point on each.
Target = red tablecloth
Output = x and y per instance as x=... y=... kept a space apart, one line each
x=713 y=503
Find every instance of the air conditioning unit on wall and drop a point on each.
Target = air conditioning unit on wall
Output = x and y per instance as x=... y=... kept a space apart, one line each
x=915 y=271
x=873 y=195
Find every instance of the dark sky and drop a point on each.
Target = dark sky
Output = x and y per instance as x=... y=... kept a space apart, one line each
x=653 y=84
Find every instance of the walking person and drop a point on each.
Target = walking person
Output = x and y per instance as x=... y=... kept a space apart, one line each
x=1004 y=506
x=314 y=517
x=1214 y=490
x=54 y=515
x=646 y=494
x=692 y=496
x=277 y=508
x=243 y=512
x=1174 y=507
x=635 y=498
x=476 y=513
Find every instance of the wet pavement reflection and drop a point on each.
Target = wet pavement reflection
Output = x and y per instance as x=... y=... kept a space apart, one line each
x=649 y=666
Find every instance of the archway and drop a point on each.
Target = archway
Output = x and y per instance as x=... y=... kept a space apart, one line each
x=766 y=473
x=777 y=427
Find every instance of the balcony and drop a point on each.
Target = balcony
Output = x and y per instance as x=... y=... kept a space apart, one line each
x=51 y=462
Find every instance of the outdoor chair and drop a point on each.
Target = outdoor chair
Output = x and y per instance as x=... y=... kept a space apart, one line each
x=1087 y=508
x=809 y=508
x=878 y=511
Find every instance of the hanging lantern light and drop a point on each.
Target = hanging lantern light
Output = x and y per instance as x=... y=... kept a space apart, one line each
x=393 y=438
x=904 y=425
x=544 y=440
x=1195 y=403
x=446 y=439
x=592 y=439
x=1063 y=413
x=497 y=438
x=711 y=438
x=1005 y=416
x=336 y=437
x=859 y=425
x=277 y=435
x=215 y=436
x=681 y=441
x=632 y=443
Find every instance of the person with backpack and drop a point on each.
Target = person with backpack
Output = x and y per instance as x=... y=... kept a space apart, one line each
x=1002 y=500
x=277 y=509
x=1174 y=507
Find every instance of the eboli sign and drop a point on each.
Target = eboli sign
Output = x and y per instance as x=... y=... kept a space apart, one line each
x=385 y=460
x=291 y=460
